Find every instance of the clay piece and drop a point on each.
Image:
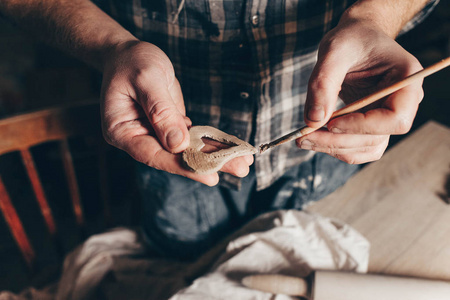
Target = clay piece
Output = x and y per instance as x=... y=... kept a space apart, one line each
x=207 y=163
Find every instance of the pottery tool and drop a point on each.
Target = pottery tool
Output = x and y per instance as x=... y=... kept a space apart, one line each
x=207 y=163
x=334 y=285
x=361 y=103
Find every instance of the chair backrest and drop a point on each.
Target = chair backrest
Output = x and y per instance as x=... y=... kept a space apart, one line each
x=21 y=134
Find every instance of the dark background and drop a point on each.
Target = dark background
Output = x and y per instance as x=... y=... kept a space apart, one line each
x=34 y=76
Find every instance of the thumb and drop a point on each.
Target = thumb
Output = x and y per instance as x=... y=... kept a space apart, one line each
x=324 y=87
x=168 y=122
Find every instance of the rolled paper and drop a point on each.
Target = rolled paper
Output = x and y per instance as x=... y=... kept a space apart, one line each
x=332 y=285
x=335 y=285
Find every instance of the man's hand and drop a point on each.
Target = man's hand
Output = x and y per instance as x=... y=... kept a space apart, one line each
x=143 y=111
x=356 y=59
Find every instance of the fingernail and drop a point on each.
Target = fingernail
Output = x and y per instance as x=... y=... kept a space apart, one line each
x=248 y=159
x=242 y=172
x=174 y=138
x=306 y=144
x=336 y=130
x=316 y=113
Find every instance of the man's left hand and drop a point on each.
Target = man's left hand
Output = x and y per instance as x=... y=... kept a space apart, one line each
x=356 y=59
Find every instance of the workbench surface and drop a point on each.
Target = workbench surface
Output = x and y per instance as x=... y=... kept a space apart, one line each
x=400 y=204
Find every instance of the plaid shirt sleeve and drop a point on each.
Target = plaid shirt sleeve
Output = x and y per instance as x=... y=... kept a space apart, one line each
x=243 y=65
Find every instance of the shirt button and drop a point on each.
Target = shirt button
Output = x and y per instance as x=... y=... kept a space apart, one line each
x=244 y=95
x=255 y=20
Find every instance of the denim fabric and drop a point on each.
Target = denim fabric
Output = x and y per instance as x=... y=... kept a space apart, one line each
x=183 y=218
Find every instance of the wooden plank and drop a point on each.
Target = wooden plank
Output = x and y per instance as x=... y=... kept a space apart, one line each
x=15 y=226
x=26 y=130
x=396 y=204
x=38 y=190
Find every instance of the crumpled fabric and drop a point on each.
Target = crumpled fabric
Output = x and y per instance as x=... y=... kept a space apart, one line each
x=285 y=242
x=116 y=265
x=111 y=265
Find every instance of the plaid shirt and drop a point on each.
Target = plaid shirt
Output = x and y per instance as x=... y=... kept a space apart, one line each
x=243 y=65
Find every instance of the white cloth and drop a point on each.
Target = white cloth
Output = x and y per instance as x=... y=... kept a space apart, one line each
x=114 y=265
x=288 y=242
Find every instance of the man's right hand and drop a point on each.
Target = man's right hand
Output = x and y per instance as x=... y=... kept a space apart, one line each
x=143 y=111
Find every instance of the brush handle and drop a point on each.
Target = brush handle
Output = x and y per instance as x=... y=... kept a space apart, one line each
x=361 y=103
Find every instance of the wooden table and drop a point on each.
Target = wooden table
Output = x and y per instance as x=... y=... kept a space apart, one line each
x=399 y=204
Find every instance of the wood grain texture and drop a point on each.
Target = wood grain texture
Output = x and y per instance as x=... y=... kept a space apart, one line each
x=396 y=203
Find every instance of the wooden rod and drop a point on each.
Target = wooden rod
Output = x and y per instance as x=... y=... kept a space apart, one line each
x=352 y=107
x=38 y=190
x=72 y=181
x=16 y=226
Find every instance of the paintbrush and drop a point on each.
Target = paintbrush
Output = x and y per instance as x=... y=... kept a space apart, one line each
x=201 y=162
x=361 y=103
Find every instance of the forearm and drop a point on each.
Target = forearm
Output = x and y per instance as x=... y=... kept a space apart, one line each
x=75 y=26
x=390 y=16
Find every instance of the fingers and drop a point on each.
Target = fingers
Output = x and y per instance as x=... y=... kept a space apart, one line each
x=350 y=148
x=143 y=74
x=177 y=96
x=157 y=157
x=395 y=116
x=136 y=138
x=163 y=112
x=361 y=69
x=146 y=149
x=324 y=85
x=239 y=166
x=143 y=113
x=363 y=137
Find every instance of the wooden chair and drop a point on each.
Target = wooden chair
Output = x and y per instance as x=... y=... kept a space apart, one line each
x=56 y=126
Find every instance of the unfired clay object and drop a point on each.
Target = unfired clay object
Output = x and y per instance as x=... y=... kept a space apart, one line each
x=208 y=163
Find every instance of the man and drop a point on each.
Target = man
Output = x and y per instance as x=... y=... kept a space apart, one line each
x=244 y=68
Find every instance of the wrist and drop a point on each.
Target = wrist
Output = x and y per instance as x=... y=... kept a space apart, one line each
x=373 y=16
x=109 y=51
x=385 y=15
